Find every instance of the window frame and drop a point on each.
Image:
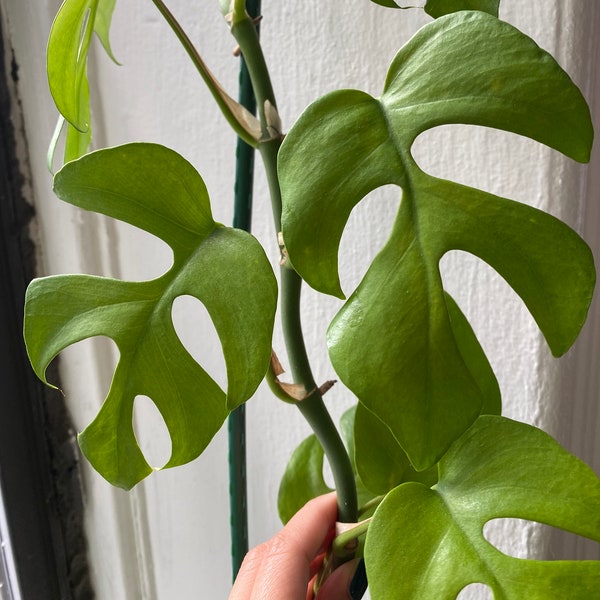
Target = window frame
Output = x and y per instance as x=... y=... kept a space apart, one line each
x=39 y=472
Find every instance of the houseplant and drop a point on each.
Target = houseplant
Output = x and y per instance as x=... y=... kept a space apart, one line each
x=455 y=379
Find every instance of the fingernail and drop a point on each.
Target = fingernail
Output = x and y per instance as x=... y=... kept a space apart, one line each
x=358 y=585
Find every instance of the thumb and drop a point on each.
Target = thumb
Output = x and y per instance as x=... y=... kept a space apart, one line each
x=347 y=582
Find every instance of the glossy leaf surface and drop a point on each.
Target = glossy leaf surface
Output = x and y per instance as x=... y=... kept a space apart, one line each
x=393 y=343
x=498 y=469
x=155 y=189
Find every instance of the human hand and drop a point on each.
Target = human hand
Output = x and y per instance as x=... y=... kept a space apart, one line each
x=284 y=567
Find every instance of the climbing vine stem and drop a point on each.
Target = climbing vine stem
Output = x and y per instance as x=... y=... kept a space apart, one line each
x=312 y=407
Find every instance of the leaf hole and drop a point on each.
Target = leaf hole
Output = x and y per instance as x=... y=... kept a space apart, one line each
x=198 y=335
x=141 y=255
x=151 y=432
x=86 y=372
x=475 y=591
x=467 y=278
x=366 y=232
x=488 y=159
x=525 y=539
x=501 y=321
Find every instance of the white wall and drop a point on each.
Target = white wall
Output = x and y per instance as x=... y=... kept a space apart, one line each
x=169 y=537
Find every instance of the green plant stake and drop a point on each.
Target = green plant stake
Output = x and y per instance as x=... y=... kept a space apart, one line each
x=242 y=219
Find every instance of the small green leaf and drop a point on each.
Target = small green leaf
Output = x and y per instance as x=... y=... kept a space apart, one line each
x=498 y=469
x=102 y=25
x=303 y=479
x=67 y=57
x=387 y=3
x=398 y=343
x=348 y=429
x=439 y=8
x=155 y=189
x=66 y=64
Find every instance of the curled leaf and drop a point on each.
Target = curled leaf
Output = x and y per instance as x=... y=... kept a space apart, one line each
x=66 y=64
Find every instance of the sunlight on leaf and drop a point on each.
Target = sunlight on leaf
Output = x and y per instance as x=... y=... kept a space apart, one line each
x=499 y=468
x=155 y=189
x=396 y=343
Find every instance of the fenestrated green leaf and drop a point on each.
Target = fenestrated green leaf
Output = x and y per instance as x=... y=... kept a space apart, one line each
x=439 y=8
x=498 y=469
x=155 y=189
x=393 y=342
x=303 y=478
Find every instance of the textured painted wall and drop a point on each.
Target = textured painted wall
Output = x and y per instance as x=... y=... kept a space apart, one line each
x=169 y=538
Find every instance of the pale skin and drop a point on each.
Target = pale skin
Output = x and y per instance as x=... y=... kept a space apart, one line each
x=284 y=566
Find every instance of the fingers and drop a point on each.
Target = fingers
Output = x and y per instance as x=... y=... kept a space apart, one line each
x=347 y=582
x=280 y=567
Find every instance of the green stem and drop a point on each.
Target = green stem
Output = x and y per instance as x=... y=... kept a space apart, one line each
x=347 y=538
x=244 y=31
x=241 y=120
x=312 y=408
x=367 y=506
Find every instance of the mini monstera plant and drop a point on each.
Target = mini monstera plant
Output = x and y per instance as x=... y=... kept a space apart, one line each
x=425 y=459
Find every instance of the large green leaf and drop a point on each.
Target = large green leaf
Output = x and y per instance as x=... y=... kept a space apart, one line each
x=155 y=189
x=66 y=64
x=498 y=469
x=393 y=343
